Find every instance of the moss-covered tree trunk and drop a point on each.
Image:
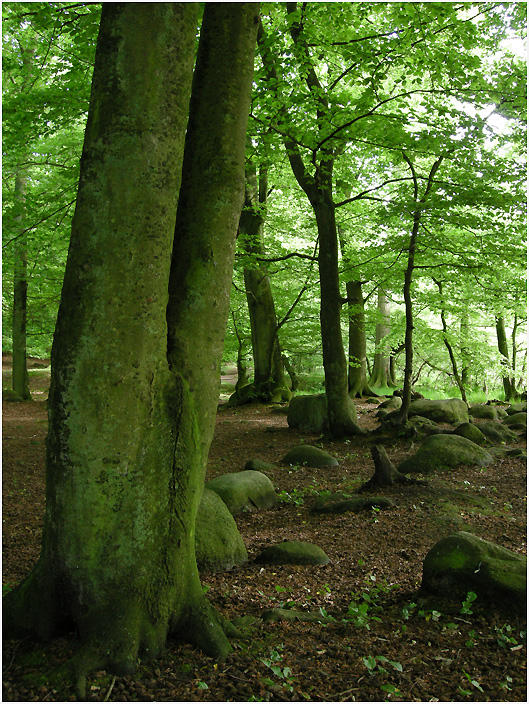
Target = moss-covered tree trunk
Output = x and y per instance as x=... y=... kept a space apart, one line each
x=357 y=374
x=507 y=377
x=269 y=382
x=381 y=375
x=131 y=415
x=20 y=380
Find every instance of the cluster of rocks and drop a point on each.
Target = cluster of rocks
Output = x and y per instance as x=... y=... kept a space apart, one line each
x=455 y=565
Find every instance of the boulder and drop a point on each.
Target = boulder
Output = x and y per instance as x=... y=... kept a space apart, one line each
x=218 y=543
x=424 y=425
x=392 y=404
x=373 y=400
x=258 y=465
x=441 y=452
x=309 y=456
x=517 y=421
x=517 y=408
x=471 y=432
x=446 y=410
x=479 y=410
x=244 y=491
x=463 y=562
x=293 y=552
x=309 y=413
x=341 y=504
x=497 y=432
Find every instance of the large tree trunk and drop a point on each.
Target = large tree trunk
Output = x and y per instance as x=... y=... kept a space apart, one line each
x=381 y=375
x=507 y=378
x=269 y=382
x=357 y=375
x=131 y=409
x=20 y=380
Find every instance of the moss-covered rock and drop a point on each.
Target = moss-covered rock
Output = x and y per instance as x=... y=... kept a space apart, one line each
x=441 y=452
x=471 y=432
x=391 y=404
x=516 y=421
x=308 y=413
x=293 y=552
x=517 y=408
x=218 y=543
x=479 y=410
x=373 y=400
x=446 y=410
x=244 y=491
x=497 y=432
x=257 y=465
x=309 y=456
x=463 y=562
x=355 y=504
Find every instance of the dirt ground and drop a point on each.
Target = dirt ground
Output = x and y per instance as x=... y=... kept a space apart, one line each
x=433 y=650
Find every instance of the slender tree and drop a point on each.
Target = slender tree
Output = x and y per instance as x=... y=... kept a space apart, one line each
x=134 y=378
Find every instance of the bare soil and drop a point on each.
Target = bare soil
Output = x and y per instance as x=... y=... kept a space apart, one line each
x=435 y=651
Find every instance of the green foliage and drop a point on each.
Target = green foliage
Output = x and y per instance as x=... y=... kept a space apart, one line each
x=470 y=598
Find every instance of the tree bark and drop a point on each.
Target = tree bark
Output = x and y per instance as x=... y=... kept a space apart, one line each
x=465 y=352
x=507 y=378
x=269 y=382
x=20 y=379
x=386 y=474
x=339 y=406
x=381 y=375
x=357 y=376
x=134 y=380
x=448 y=345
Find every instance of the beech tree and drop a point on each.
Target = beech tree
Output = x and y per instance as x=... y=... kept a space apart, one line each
x=139 y=335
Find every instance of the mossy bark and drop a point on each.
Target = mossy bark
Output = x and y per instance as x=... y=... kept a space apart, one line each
x=128 y=431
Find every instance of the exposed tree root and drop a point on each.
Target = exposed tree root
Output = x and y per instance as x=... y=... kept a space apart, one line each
x=386 y=474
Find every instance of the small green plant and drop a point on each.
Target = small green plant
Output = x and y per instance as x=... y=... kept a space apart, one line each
x=375 y=510
x=407 y=610
x=507 y=684
x=6 y=588
x=373 y=663
x=471 y=641
x=465 y=606
x=473 y=682
x=202 y=685
x=505 y=636
x=288 y=603
x=274 y=662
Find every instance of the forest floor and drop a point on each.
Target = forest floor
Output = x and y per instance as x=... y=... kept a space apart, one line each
x=435 y=650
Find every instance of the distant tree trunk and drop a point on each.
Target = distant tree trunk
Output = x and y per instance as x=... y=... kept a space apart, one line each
x=135 y=379
x=269 y=382
x=386 y=474
x=357 y=376
x=380 y=376
x=448 y=345
x=465 y=353
x=242 y=372
x=20 y=380
x=508 y=381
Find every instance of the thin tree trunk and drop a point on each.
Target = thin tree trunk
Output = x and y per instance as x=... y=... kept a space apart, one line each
x=134 y=382
x=20 y=380
x=465 y=352
x=448 y=346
